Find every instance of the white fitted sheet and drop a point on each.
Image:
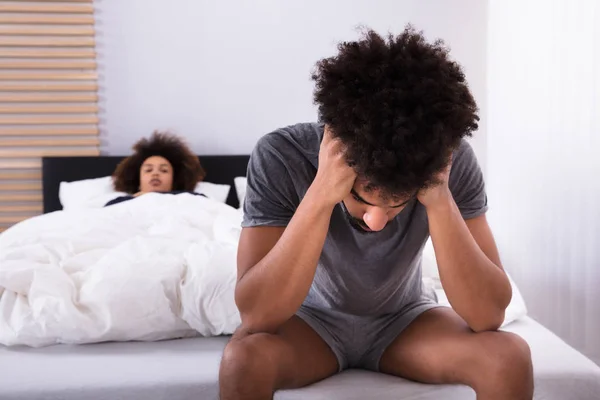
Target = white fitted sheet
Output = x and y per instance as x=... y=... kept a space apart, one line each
x=561 y=373
x=188 y=369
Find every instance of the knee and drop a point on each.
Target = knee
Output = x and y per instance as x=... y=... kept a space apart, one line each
x=247 y=370
x=511 y=355
x=508 y=364
x=245 y=356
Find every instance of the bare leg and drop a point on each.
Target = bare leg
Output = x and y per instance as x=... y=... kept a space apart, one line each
x=254 y=366
x=439 y=347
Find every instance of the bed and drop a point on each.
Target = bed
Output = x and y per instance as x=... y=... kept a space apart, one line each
x=188 y=368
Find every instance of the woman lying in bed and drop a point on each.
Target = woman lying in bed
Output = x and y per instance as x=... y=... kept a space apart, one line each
x=162 y=164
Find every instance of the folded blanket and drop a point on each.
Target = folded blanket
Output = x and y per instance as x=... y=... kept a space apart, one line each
x=157 y=267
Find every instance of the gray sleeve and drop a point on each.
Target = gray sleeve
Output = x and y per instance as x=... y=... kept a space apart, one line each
x=466 y=183
x=271 y=198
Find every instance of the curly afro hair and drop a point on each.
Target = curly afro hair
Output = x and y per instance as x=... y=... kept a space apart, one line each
x=399 y=104
x=187 y=171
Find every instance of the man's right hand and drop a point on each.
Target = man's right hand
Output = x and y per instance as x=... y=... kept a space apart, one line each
x=280 y=263
x=335 y=178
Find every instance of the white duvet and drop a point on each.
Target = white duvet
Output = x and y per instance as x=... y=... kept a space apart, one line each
x=157 y=267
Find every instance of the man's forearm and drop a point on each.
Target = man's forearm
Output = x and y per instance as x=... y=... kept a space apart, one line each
x=478 y=290
x=273 y=290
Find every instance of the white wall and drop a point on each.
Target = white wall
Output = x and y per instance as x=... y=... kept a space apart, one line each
x=542 y=159
x=223 y=73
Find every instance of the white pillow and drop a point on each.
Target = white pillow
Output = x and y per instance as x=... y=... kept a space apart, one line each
x=87 y=193
x=240 y=183
x=96 y=192
x=215 y=191
x=431 y=280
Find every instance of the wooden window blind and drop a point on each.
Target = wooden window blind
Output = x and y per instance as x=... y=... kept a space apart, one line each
x=48 y=96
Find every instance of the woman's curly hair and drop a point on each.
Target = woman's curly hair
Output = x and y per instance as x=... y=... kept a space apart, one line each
x=399 y=104
x=187 y=171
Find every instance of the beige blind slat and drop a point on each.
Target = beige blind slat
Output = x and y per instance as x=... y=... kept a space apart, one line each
x=62 y=1
x=46 y=19
x=24 y=176
x=47 y=53
x=48 y=87
x=22 y=7
x=49 y=142
x=77 y=30
x=48 y=97
x=20 y=164
x=48 y=153
x=49 y=131
x=49 y=120
x=47 y=76
x=45 y=64
x=35 y=208
x=13 y=219
x=48 y=109
x=54 y=41
x=20 y=197
x=21 y=186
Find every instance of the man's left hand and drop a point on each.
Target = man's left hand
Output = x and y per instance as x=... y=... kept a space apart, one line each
x=434 y=195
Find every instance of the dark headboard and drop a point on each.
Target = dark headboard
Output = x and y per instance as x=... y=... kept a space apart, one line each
x=219 y=169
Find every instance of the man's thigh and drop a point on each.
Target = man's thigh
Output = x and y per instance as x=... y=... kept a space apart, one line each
x=439 y=347
x=293 y=357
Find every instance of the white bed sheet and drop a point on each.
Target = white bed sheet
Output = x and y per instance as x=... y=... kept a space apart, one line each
x=188 y=369
x=561 y=373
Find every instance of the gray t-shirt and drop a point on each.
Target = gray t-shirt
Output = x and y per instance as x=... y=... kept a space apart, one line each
x=360 y=274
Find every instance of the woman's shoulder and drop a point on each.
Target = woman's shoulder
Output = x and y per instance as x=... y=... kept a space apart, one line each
x=186 y=191
x=119 y=199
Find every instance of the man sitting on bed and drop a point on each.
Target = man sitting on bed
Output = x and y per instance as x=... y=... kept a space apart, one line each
x=335 y=220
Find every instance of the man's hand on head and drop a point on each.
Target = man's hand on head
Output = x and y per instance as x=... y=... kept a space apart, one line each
x=335 y=178
x=438 y=194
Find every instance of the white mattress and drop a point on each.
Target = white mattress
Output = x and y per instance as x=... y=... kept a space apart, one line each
x=188 y=369
x=561 y=373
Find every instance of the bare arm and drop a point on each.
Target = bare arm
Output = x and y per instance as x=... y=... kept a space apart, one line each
x=276 y=266
x=470 y=269
x=469 y=265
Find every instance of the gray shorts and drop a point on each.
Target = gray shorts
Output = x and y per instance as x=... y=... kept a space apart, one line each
x=360 y=341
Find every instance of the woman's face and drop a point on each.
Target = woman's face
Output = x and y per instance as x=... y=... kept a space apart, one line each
x=156 y=175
